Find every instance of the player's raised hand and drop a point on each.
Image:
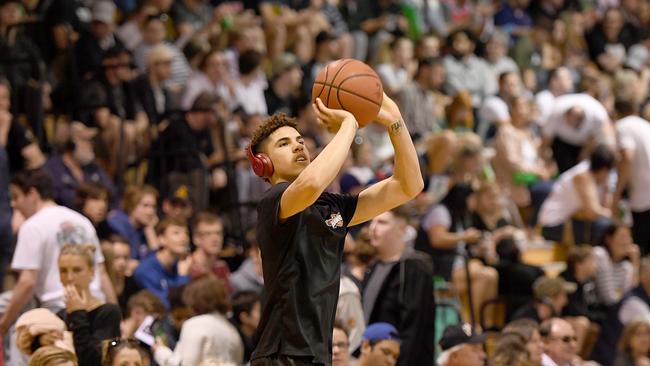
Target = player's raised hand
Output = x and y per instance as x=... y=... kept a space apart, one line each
x=332 y=119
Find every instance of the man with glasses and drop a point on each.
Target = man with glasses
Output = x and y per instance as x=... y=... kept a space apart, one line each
x=560 y=343
x=340 y=346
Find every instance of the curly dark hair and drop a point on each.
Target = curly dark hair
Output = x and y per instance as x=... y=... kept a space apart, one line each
x=269 y=126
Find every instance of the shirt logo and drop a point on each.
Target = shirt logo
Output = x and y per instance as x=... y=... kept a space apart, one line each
x=334 y=221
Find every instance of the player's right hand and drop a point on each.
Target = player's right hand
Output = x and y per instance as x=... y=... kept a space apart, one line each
x=332 y=119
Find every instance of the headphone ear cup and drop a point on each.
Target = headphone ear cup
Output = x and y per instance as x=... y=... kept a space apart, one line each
x=266 y=165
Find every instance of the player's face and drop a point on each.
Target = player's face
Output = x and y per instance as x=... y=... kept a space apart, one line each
x=286 y=148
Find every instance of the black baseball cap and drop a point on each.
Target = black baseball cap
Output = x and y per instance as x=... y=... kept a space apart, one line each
x=455 y=335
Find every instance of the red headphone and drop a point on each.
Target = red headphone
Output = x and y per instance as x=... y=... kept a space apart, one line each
x=260 y=162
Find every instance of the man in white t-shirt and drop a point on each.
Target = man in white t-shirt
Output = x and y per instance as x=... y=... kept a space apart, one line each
x=495 y=110
x=576 y=125
x=633 y=135
x=559 y=83
x=47 y=228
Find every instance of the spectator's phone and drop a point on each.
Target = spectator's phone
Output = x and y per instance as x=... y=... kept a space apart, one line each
x=145 y=333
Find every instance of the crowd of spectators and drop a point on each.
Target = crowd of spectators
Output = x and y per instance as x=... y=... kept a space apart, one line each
x=128 y=207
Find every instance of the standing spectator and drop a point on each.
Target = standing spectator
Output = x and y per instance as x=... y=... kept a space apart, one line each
x=208 y=333
x=461 y=347
x=465 y=71
x=634 y=143
x=89 y=318
x=380 y=346
x=574 y=128
x=136 y=220
x=634 y=345
x=618 y=264
x=580 y=190
x=208 y=236
x=168 y=267
x=48 y=227
x=246 y=307
x=398 y=290
x=153 y=94
x=76 y=165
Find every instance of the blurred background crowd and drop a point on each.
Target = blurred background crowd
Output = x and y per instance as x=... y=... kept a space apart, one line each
x=128 y=208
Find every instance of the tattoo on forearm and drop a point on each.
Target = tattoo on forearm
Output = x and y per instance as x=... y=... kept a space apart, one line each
x=396 y=127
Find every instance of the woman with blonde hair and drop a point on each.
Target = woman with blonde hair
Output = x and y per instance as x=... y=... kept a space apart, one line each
x=88 y=318
x=511 y=350
x=634 y=345
x=53 y=356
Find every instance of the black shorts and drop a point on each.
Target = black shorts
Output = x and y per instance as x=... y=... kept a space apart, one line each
x=284 y=361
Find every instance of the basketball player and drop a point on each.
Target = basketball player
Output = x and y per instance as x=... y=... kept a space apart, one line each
x=301 y=228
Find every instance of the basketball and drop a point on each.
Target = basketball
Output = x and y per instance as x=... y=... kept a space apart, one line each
x=351 y=85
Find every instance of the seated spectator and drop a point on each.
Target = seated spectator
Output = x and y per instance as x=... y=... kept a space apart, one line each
x=39 y=328
x=518 y=165
x=76 y=165
x=177 y=205
x=582 y=269
x=380 y=345
x=246 y=308
x=560 y=343
x=397 y=73
x=634 y=345
x=358 y=260
x=151 y=87
x=92 y=200
x=139 y=307
x=510 y=349
x=578 y=196
x=617 y=259
x=498 y=61
x=349 y=312
x=53 y=356
x=340 y=346
x=610 y=39
x=528 y=330
x=120 y=267
x=130 y=32
x=356 y=177
x=249 y=87
x=495 y=110
x=461 y=346
x=551 y=296
x=90 y=319
x=284 y=84
x=212 y=77
x=559 y=82
x=465 y=71
x=208 y=333
x=136 y=220
x=248 y=277
x=21 y=146
x=169 y=266
x=121 y=352
x=155 y=34
x=327 y=50
x=635 y=305
x=208 y=233
x=513 y=17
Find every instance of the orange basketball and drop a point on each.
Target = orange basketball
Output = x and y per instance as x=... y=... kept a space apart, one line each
x=351 y=85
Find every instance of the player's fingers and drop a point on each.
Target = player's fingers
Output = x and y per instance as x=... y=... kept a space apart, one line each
x=322 y=108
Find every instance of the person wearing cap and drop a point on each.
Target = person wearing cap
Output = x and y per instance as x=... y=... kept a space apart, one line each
x=551 y=295
x=461 y=346
x=177 y=205
x=399 y=289
x=90 y=47
x=381 y=346
x=180 y=154
x=286 y=78
x=76 y=165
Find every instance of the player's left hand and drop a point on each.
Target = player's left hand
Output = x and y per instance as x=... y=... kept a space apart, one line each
x=332 y=119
